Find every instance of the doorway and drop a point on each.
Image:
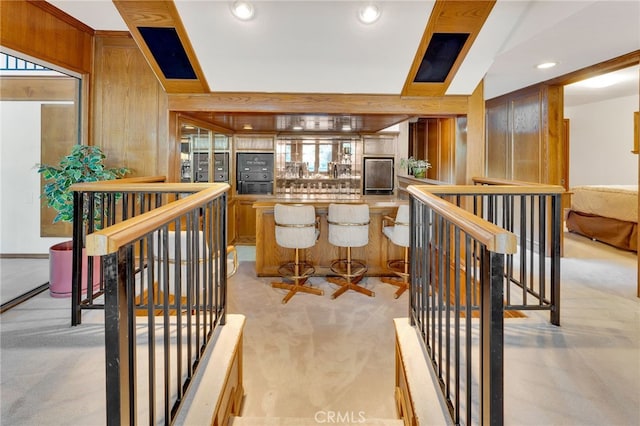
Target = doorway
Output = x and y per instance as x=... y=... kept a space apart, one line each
x=40 y=121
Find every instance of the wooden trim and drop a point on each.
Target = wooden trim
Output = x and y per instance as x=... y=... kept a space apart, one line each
x=187 y=118
x=460 y=16
x=53 y=88
x=308 y=103
x=113 y=33
x=495 y=181
x=614 y=64
x=137 y=13
x=494 y=189
x=492 y=236
x=139 y=179
x=116 y=185
x=636 y=133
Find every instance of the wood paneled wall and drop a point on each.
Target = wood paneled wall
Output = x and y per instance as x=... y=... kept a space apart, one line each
x=434 y=139
x=30 y=27
x=58 y=134
x=129 y=108
x=524 y=136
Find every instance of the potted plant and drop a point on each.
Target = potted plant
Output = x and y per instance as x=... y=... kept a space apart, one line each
x=417 y=168
x=84 y=164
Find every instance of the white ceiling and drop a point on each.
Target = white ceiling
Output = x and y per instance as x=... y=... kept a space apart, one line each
x=320 y=46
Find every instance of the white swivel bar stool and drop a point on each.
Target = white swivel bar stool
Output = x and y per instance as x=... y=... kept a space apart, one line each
x=397 y=231
x=296 y=227
x=348 y=227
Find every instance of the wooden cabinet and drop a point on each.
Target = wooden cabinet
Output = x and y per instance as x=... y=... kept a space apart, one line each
x=434 y=139
x=245 y=221
x=525 y=137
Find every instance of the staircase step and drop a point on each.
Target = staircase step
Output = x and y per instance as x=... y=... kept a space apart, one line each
x=323 y=418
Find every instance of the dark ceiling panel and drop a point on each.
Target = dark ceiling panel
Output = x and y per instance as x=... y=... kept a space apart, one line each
x=441 y=54
x=168 y=51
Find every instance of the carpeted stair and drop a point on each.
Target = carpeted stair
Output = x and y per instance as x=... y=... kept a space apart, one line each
x=323 y=418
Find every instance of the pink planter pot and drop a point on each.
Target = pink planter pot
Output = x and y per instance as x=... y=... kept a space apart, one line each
x=60 y=270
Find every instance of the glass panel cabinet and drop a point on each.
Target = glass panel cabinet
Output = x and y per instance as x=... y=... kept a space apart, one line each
x=318 y=165
x=204 y=155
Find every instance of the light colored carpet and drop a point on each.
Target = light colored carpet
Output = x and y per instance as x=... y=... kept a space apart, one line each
x=320 y=354
x=315 y=353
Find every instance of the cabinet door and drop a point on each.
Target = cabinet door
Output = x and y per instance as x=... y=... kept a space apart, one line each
x=246 y=222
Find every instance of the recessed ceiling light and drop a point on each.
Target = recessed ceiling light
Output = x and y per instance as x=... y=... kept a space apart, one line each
x=369 y=13
x=546 y=65
x=242 y=10
x=247 y=126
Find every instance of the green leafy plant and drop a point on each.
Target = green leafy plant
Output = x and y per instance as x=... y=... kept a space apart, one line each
x=84 y=164
x=418 y=168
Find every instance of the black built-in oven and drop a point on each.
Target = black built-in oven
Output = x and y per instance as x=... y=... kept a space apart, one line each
x=254 y=173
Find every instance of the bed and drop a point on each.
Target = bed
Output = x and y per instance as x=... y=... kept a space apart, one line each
x=606 y=213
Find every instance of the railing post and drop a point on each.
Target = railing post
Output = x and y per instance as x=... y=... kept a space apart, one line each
x=119 y=366
x=492 y=339
x=556 y=223
x=76 y=274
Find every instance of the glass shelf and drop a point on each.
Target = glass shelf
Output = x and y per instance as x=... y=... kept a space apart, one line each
x=326 y=164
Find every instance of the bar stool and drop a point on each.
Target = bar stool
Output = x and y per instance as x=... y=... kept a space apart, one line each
x=169 y=282
x=397 y=231
x=348 y=227
x=296 y=228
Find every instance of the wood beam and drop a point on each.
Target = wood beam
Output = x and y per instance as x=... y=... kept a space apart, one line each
x=448 y=16
x=162 y=14
x=309 y=103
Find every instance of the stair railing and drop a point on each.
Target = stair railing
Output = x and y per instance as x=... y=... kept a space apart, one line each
x=101 y=204
x=533 y=212
x=165 y=276
x=454 y=254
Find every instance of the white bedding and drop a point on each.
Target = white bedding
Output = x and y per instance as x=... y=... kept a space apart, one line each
x=614 y=201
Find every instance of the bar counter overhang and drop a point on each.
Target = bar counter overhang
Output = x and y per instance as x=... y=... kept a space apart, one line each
x=269 y=255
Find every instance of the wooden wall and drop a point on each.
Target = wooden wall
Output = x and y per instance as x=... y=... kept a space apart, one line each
x=129 y=117
x=30 y=27
x=524 y=136
x=57 y=135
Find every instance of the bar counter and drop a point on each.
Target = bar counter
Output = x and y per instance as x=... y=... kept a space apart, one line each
x=269 y=255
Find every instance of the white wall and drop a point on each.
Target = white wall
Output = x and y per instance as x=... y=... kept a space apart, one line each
x=19 y=180
x=601 y=140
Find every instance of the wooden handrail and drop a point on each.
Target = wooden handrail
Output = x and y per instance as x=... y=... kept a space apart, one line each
x=496 y=181
x=139 y=179
x=119 y=185
x=111 y=239
x=492 y=189
x=496 y=239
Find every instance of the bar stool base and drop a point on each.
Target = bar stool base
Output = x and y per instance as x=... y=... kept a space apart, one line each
x=298 y=279
x=400 y=267
x=350 y=273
